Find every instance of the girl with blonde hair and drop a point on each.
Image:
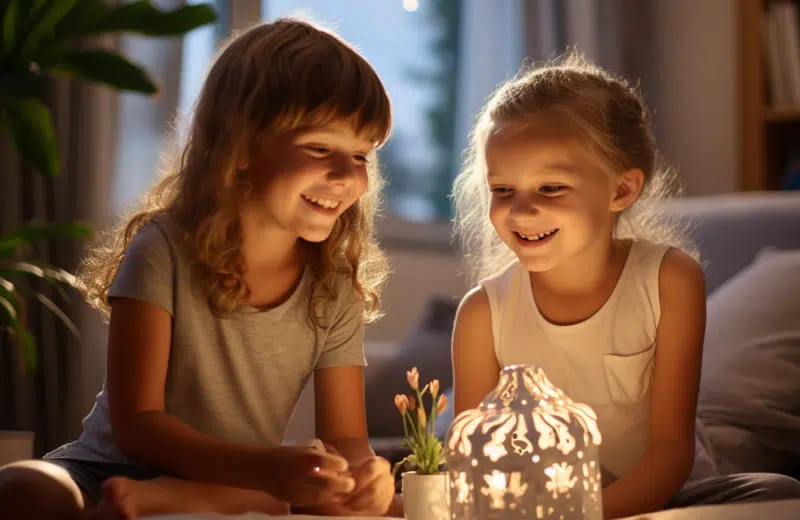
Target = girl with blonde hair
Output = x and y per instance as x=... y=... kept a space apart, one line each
x=249 y=268
x=578 y=272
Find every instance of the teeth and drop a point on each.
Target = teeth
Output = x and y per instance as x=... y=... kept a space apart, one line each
x=325 y=203
x=539 y=236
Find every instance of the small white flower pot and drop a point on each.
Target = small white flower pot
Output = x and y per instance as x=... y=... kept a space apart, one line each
x=426 y=497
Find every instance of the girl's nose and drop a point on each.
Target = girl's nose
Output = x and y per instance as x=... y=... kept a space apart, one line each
x=525 y=205
x=342 y=169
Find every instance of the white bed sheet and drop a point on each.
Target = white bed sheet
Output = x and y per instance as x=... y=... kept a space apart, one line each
x=780 y=510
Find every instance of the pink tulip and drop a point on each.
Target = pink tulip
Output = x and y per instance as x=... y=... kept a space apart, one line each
x=401 y=402
x=413 y=378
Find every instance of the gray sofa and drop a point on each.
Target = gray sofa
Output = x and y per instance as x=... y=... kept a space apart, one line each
x=749 y=407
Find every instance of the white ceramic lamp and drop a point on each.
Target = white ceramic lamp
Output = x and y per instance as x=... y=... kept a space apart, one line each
x=527 y=451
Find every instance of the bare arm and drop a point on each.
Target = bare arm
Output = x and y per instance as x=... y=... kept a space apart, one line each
x=669 y=456
x=475 y=367
x=341 y=423
x=340 y=412
x=138 y=354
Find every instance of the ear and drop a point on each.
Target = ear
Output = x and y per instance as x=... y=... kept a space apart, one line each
x=628 y=188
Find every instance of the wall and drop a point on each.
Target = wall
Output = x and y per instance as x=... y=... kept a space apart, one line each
x=697 y=115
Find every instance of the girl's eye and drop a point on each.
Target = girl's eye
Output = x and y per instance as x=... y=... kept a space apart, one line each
x=319 y=150
x=502 y=191
x=361 y=159
x=551 y=189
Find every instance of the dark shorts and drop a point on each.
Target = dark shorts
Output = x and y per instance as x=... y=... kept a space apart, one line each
x=89 y=476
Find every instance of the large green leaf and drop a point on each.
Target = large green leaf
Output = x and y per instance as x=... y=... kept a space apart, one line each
x=85 y=14
x=13 y=312
x=10 y=23
x=143 y=18
x=26 y=235
x=104 y=67
x=45 y=19
x=32 y=130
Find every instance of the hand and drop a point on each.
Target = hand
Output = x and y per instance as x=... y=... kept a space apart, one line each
x=306 y=476
x=373 y=493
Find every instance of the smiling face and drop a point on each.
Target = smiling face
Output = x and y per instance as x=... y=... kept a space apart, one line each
x=304 y=179
x=551 y=198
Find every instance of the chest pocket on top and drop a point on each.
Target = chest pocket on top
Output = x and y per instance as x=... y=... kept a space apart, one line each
x=629 y=376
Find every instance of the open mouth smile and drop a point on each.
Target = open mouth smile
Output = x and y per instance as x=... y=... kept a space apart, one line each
x=536 y=238
x=329 y=204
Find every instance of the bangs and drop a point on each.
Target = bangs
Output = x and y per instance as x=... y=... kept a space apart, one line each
x=337 y=85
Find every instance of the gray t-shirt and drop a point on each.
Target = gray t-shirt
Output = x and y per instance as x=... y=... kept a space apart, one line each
x=236 y=378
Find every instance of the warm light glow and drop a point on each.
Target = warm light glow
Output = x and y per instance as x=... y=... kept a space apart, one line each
x=410 y=5
x=526 y=450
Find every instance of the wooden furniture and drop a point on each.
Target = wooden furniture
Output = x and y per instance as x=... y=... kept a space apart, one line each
x=767 y=131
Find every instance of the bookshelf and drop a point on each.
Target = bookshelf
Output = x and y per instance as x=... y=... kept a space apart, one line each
x=770 y=130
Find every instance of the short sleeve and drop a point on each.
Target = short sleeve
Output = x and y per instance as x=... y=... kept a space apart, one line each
x=147 y=269
x=344 y=345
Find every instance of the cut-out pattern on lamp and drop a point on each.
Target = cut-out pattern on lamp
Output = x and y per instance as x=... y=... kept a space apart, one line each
x=528 y=451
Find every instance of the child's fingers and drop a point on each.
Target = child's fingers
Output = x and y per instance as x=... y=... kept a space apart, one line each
x=369 y=471
x=378 y=493
x=332 y=482
x=329 y=462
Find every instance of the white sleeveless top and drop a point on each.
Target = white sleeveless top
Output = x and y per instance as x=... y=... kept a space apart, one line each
x=605 y=361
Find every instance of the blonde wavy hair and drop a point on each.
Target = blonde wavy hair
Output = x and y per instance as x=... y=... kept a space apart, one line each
x=605 y=113
x=272 y=77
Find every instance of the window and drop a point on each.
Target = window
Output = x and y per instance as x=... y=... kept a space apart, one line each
x=438 y=62
x=145 y=124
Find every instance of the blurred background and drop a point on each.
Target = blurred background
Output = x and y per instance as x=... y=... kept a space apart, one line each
x=721 y=77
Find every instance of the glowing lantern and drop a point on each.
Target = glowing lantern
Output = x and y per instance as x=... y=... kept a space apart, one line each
x=527 y=451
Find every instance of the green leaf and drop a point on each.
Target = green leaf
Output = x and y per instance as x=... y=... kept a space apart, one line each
x=13 y=307
x=10 y=300
x=84 y=14
x=10 y=22
x=32 y=130
x=22 y=84
x=35 y=231
x=57 y=312
x=143 y=18
x=47 y=16
x=43 y=271
x=105 y=67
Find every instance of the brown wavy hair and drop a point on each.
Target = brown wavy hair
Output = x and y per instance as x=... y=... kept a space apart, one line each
x=606 y=114
x=272 y=77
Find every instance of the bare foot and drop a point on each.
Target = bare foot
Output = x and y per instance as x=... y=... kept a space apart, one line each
x=119 y=501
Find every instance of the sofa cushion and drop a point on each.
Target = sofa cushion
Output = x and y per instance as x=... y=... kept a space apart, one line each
x=427 y=348
x=749 y=402
x=730 y=229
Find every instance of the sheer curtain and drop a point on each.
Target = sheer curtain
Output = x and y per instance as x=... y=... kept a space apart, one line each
x=619 y=35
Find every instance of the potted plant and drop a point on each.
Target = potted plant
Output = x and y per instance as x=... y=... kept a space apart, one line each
x=425 y=493
x=42 y=39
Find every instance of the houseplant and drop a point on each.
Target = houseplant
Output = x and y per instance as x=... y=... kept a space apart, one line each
x=425 y=493
x=43 y=39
